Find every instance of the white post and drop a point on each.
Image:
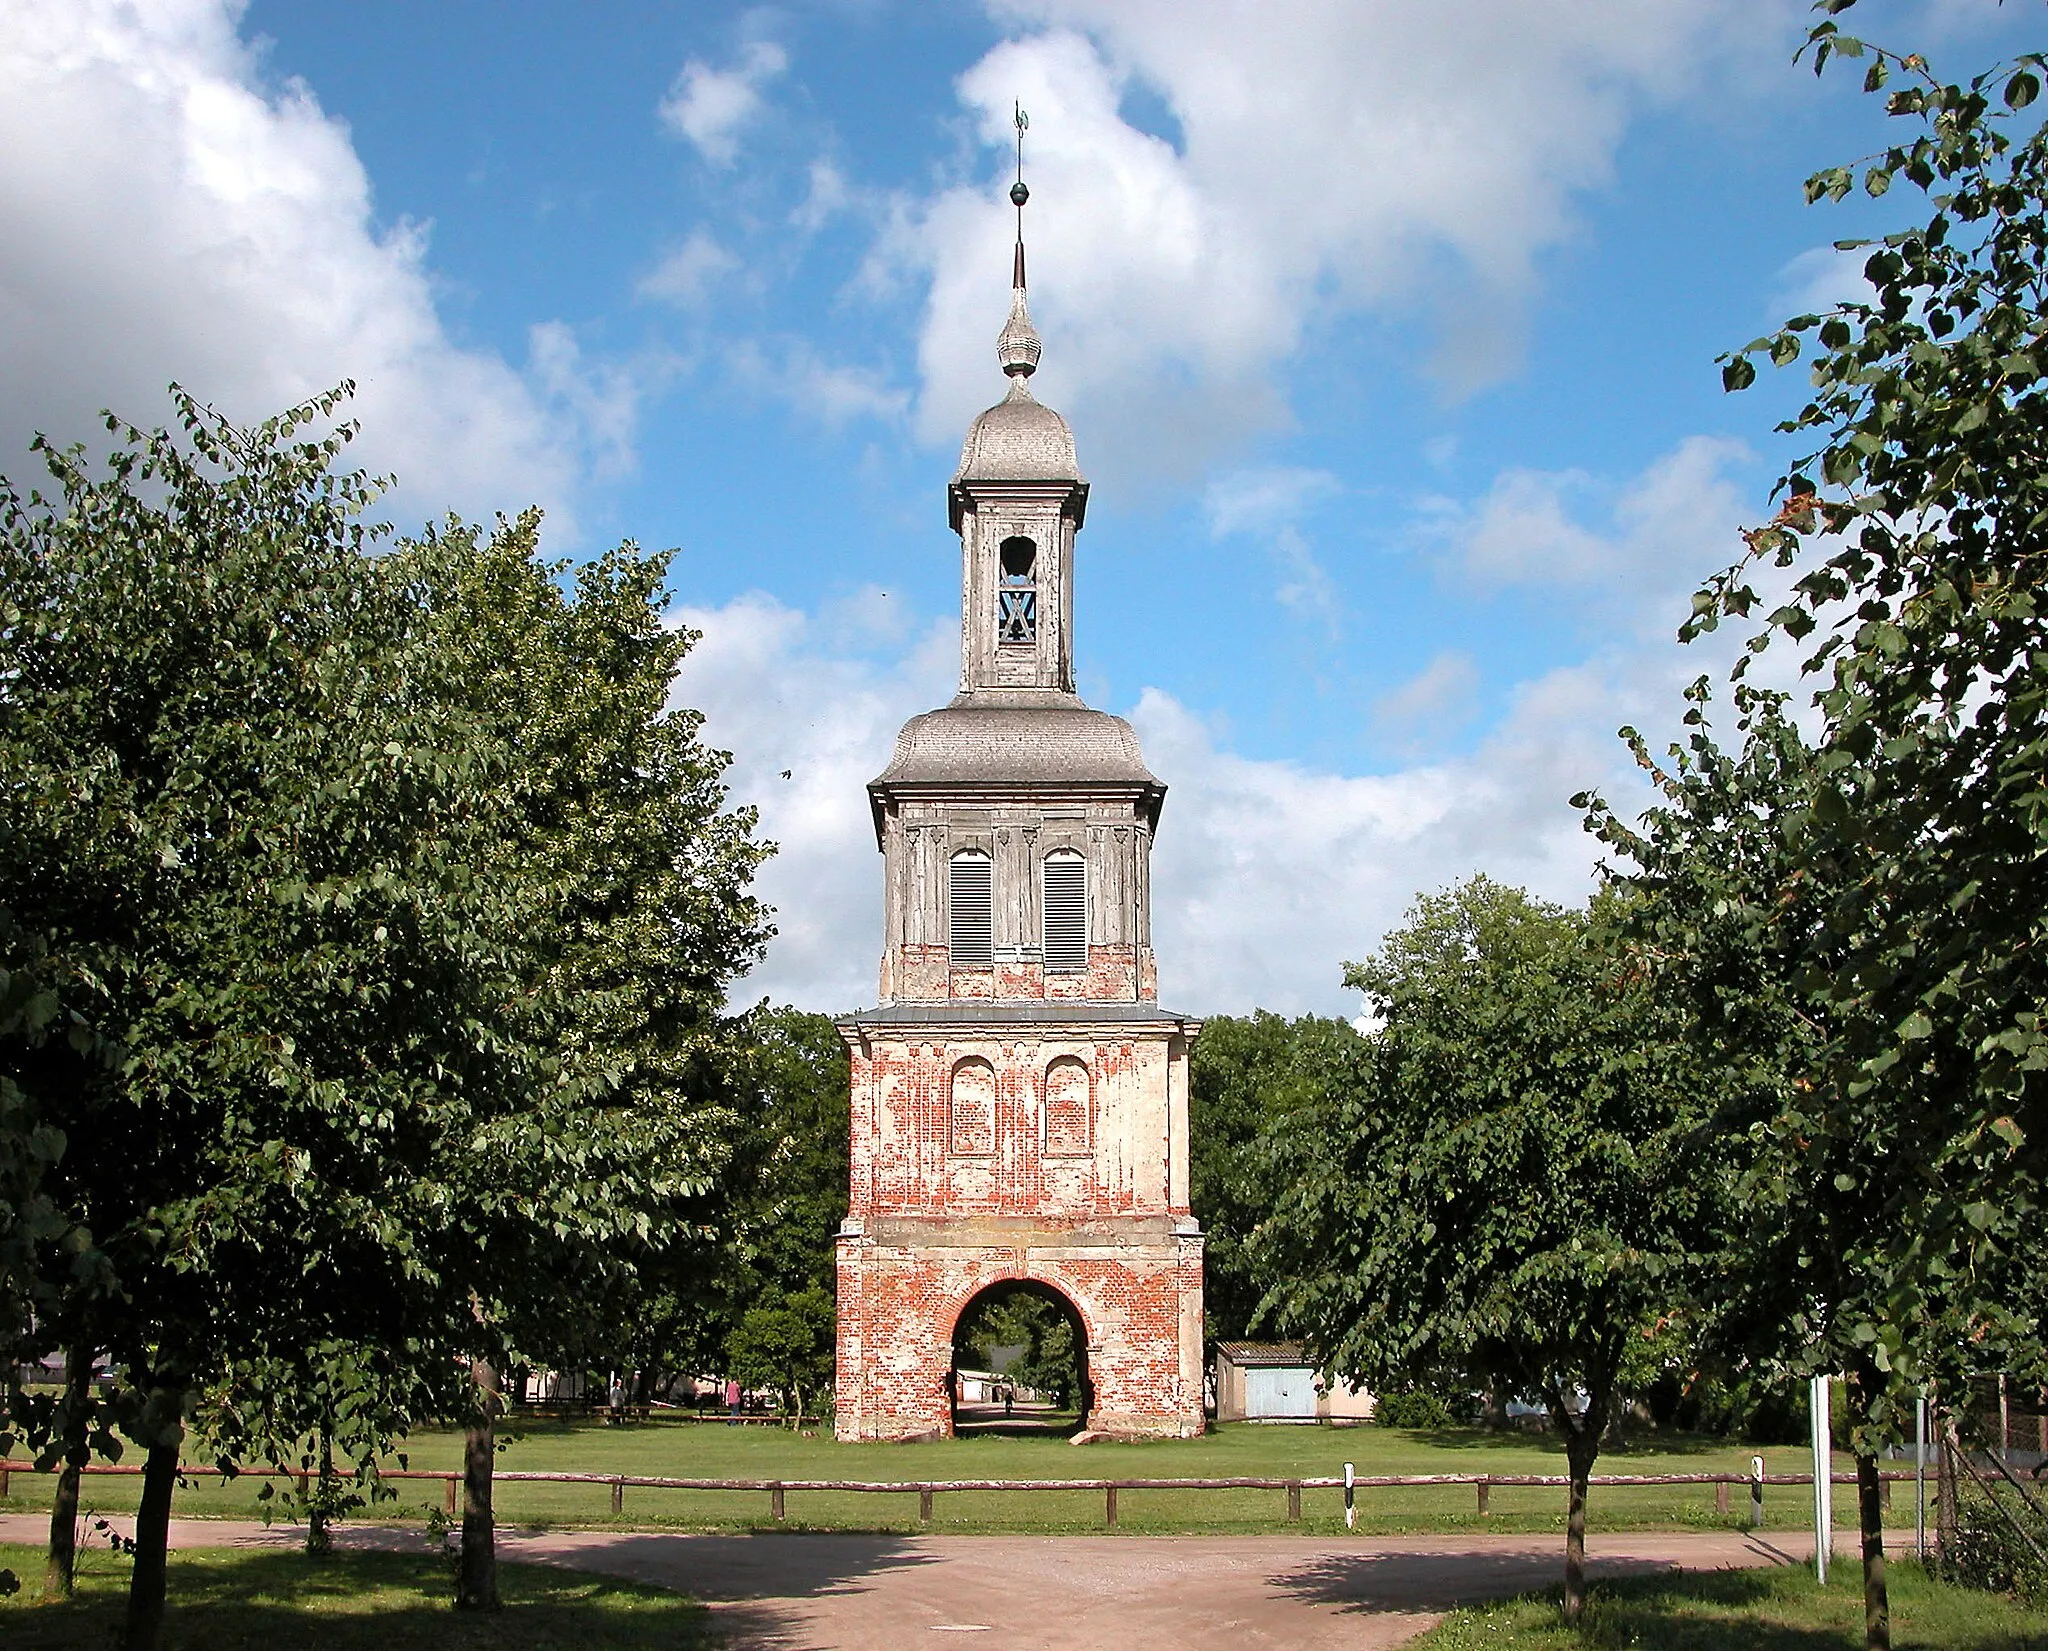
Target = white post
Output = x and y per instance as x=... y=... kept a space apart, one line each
x=1350 y=1509
x=1920 y=1477
x=1823 y=1481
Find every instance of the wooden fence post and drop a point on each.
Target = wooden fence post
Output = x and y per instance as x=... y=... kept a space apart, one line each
x=1109 y=1505
x=1721 y=1498
x=3 y=1481
x=924 y=1504
x=775 y=1502
x=1294 y=1501
x=448 y=1494
x=618 y=1496
x=1483 y=1488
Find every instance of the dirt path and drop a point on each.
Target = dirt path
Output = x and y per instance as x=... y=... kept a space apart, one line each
x=825 y=1592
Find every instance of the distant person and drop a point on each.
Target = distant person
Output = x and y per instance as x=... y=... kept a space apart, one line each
x=1009 y=1399
x=732 y=1401
x=617 y=1396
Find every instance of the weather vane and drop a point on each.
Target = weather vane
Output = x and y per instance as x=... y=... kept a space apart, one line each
x=1019 y=194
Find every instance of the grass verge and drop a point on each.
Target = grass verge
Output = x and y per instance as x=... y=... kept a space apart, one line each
x=264 y=1600
x=669 y=1447
x=1781 y=1609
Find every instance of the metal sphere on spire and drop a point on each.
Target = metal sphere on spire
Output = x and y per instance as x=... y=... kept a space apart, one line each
x=1017 y=345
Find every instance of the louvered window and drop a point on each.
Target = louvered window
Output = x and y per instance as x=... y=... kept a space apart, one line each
x=1066 y=913
x=970 y=927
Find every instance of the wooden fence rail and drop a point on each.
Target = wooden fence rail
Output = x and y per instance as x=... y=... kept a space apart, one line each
x=927 y=1489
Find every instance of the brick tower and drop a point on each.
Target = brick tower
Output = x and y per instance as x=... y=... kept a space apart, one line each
x=1020 y=1100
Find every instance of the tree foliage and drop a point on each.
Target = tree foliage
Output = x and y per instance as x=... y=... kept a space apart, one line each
x=1034 y=1337
x=1504 y=1181
x=1851 y=895
x=785 y=1341
x=1248 y=1072
x=1917 y=527
x=383 y=905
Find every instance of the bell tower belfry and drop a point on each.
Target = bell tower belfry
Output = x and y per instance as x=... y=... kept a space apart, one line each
x=1020 y=1100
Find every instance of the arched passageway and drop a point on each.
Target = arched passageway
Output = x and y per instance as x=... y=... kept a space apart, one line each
x=1020 y=1362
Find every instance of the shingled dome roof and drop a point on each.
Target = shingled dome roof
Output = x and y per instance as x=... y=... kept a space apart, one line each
x=966 y=743
x=1019 y=439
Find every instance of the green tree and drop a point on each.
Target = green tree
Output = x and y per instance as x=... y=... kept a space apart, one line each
x=780 y=1082
x=1737 y=888
x=1504 y=1181
x=785 y=1342
x=364 y=935
x=1892 y=854
x=1247 y=1072
x=1918 y=530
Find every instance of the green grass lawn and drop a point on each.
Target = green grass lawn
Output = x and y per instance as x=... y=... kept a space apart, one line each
x=262 y=1601
x=675 y=1448
x=1775 y=1610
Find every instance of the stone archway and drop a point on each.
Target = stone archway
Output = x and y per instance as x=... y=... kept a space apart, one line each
x=1039 y=1335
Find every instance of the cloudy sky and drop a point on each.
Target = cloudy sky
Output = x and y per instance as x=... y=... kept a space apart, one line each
x=1386 y=328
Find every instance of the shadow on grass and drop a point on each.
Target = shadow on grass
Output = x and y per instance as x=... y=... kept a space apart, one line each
x=1703 y=1611
x=564 y=1591
x=252 y=1600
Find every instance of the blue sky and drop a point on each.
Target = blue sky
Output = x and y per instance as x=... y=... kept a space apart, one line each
x=1387 y=331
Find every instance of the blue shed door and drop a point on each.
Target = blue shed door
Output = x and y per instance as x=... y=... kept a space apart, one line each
x=1287 y=1391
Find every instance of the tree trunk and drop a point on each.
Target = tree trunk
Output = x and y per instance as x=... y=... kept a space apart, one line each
x=319 y=1539
x=59 y=1568
x=152 y=1539
x=477 y=1583
x=1877 y=1601
x=1581 y=1450
x=1863 y=1388
x=1497 y=1394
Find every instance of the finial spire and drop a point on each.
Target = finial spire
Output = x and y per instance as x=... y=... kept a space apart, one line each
x=1017 y=346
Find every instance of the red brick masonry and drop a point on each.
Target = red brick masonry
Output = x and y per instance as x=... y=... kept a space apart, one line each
x=954 y=1189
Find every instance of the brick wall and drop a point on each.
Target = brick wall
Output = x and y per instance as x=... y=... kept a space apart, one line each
x=953 y=1190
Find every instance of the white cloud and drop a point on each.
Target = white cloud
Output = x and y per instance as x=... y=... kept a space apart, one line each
x=1266 y=505
x=164 y=215
x=1663 y=530
x=1817 y=280
x=712 y=107
x=1256 y=500
x=1521 y=532
x=830 y=392
x=1406 y=155
x=829 y=195
x=686 y=275
x=789 y=694
x=1434 y=703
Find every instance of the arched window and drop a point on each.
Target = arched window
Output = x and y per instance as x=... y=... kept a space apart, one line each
x=970 y=913
x=1017 y=596
x=1067 y=1111
x=1066 y=913
x=971 y=1108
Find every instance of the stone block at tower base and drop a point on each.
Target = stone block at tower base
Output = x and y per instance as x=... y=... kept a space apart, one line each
x=1137 y=1291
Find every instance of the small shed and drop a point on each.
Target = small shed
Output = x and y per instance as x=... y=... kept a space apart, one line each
x=1273 y=1381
